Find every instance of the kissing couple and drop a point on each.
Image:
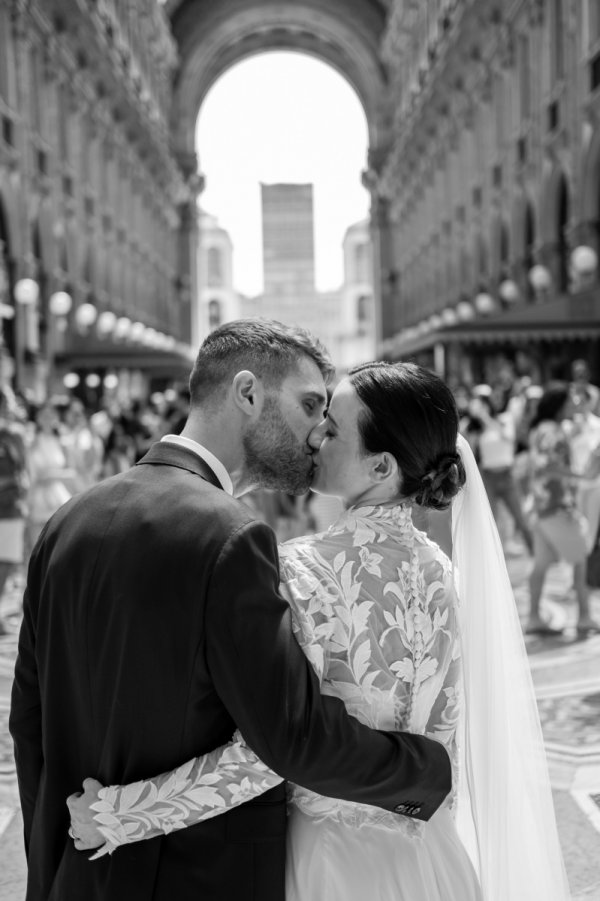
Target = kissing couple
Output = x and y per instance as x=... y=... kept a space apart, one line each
x=351 y=717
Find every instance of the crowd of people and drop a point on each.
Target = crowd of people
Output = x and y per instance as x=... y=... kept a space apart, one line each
x=538 y=450
x=51 y=451
x=537 y=447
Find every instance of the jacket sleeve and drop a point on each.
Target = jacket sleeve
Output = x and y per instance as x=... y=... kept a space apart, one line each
x=25 y=721
x=272 y=693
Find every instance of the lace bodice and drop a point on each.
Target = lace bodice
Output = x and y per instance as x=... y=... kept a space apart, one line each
x=375 y=611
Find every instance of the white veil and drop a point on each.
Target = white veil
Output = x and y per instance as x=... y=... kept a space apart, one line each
x=505 y=810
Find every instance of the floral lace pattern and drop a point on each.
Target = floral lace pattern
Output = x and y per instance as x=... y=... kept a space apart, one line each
x=375 y=611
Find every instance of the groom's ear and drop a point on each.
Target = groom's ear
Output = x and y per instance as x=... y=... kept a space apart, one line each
x=247 y=392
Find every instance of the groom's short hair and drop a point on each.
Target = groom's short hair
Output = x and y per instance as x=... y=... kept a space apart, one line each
x=266 y=347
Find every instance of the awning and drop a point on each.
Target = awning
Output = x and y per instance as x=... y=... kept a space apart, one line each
x=154 y=363
x=567 y=318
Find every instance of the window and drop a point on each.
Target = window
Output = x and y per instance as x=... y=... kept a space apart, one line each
x=63 y=123
x=214 y=314
x=362 y=313
x=214 y=266
x=524 y=77
x=562 y=245
x=529 y=249
x=361 y=262
x=557 y=48
x=594 y=22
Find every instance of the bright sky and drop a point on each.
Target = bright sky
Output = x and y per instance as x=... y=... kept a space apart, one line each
x=283 y=117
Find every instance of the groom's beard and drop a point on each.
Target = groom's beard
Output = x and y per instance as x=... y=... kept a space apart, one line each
x=274 y=457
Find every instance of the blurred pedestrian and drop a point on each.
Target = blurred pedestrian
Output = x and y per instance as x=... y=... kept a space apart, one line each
x=560 y=532
x=119 y=452
x=83 y=447
x=581 y=385
x=496 y=444
x=52 y=481
x=13 y=489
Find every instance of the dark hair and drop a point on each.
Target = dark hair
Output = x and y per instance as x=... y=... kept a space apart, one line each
x=411 y=413
x=550 y=403
x=268 y=348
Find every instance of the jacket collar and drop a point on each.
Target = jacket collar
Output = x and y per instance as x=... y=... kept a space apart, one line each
x=164 y=454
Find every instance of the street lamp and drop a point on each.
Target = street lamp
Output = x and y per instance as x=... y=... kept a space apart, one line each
x=435 y=321
x=465 y=311
x=584 y=265
x=136 y=332
x=85 y=316
x=540 y=279
x=508 y=291
x=26 y=291
x=122 y=327
x=106 y=322
x=484 y=303
x=59 y=305
x=449 y=316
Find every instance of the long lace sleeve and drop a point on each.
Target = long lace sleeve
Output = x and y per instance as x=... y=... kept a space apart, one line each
x=200 y=789
x=207 y=786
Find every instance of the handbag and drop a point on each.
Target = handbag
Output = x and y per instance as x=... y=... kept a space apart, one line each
x=592 y=569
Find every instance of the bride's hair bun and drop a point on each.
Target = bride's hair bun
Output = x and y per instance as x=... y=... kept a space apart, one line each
x=442 y=482
x=409 y=412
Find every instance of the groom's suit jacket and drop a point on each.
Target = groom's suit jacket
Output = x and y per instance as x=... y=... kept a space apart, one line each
x=152 y=628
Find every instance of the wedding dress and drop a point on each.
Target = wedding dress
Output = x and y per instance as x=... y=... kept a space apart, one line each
x=375 y=611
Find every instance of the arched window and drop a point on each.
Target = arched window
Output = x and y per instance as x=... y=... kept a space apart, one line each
x=504 y=250
x=214 y=266
x=363 y=305
x=557 y=47
x=214 y=314
x=529 y=248
x=562 y=247
x=361 y=262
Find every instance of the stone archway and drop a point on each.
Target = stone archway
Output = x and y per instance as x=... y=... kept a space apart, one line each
x=212 y=37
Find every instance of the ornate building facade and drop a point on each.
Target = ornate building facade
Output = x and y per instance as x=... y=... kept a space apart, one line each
x=219 y=302
x=97 y=219
x=490 y=186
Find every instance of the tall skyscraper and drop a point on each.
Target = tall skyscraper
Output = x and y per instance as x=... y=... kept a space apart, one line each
x=288 y=240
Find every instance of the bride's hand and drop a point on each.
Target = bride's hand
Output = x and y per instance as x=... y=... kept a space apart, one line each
x=83 y=830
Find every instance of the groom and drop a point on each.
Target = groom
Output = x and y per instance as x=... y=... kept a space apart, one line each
x=153 y=628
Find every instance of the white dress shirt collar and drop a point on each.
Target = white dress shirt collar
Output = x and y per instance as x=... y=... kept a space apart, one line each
x=204 y=454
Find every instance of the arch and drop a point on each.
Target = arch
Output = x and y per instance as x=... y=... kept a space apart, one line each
x=10 y=211
x=499 y=247
x=555 y=217
x=523 y=225
x=590 y=194
x=552 y=198
x=524 y=241
x=71 y=249
x=213 y=36
x=47 y=243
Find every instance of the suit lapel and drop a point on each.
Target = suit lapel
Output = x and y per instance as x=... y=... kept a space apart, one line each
x=165 y=454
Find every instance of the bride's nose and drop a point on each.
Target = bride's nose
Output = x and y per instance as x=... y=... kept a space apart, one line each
x=315 y=438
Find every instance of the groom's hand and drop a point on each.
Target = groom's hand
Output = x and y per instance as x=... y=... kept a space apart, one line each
x=84 y=831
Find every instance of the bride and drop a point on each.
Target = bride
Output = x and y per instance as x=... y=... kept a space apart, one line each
x=409 y=642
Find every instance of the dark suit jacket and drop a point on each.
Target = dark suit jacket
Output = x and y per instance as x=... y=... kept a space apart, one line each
x=152 y=628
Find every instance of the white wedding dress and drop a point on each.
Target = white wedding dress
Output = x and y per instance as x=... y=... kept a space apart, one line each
x=376 y=613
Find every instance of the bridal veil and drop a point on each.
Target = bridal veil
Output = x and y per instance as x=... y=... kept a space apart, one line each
x=505 y=812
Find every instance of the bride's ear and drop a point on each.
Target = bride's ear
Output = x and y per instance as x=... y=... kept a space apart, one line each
x=384 y=468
